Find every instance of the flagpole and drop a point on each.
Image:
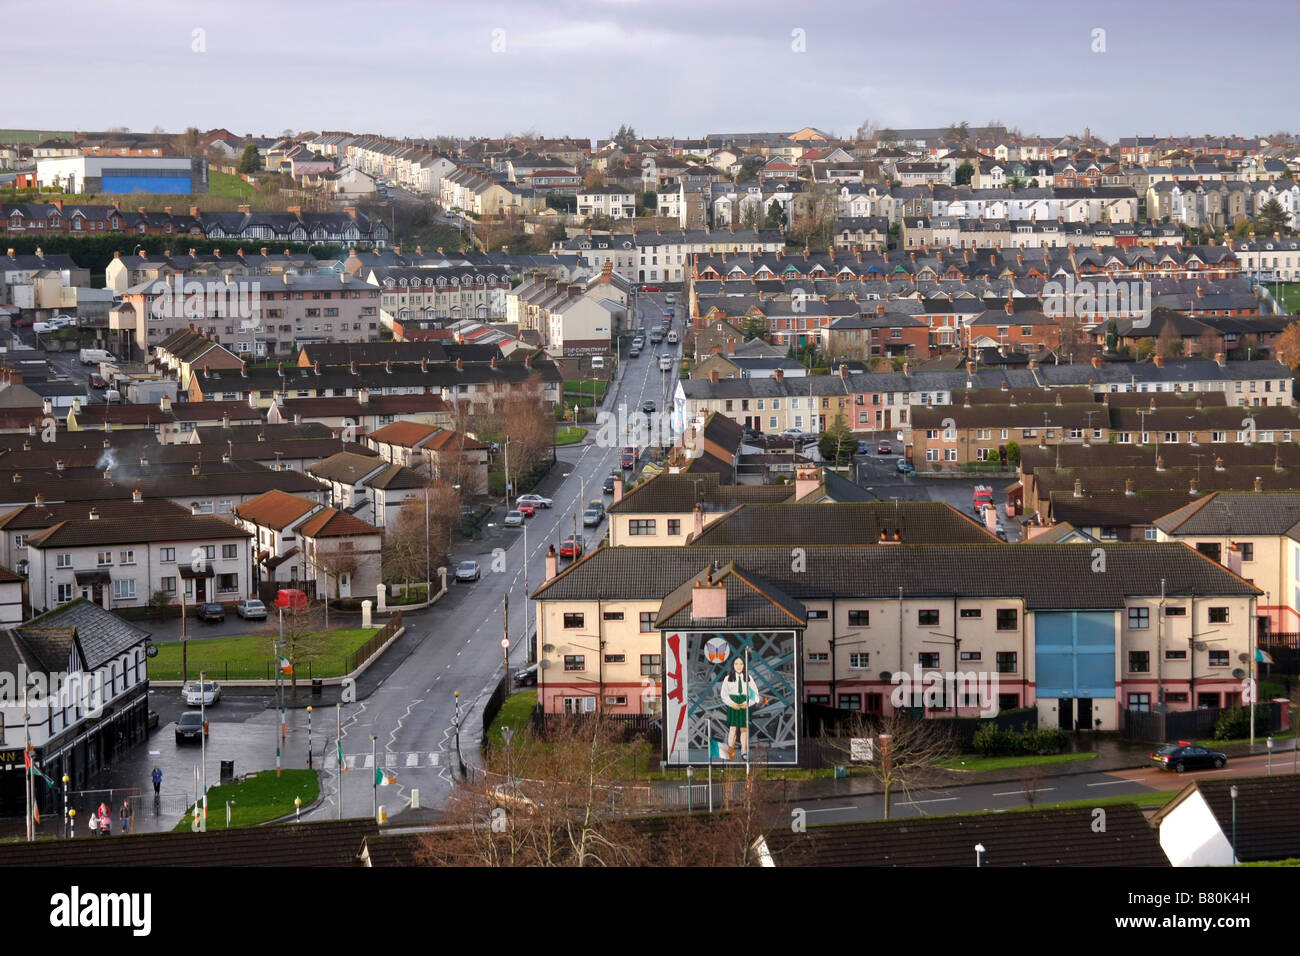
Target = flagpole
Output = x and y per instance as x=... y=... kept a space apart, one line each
x=748 y=743
x=203 y=745
x=374 y=783
x=338 y=752
x=710 y=728
x=27 y=764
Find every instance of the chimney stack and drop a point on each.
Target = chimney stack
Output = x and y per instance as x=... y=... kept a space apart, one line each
x=552 y=563
x=708 y=599
x=1128 y=486
x=1259 y=483
x=1078 y=488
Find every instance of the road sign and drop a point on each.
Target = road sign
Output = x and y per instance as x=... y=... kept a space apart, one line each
x=505 y=642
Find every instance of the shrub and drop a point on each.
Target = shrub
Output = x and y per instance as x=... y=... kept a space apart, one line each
x=991 y=741
x=1234 y=723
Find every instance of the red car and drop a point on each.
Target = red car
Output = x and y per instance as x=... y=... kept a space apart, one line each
x=651 y=288
x=571 y=548
x=526 y=508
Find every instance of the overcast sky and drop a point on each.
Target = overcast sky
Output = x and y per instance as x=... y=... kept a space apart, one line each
x=680 y=67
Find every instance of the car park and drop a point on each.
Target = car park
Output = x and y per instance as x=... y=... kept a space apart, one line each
x=210 y=695
x=514 y=519
x=905 y=467
x=468 y=571
x=1184 y=756
x=212 y=613
x=251 y=609
x=190 y=726
x=537 y=501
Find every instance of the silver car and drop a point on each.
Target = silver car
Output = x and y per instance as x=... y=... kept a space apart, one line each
x=515 y=519
x=468 y=571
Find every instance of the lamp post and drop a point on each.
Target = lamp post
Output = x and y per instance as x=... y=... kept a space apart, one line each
x=690 y=789
x=343 y=767
x=979 y=855
x=1270 y=756
x=203 y=744
x=1233 y=792
x=297 y=808
x=374 y=782
x=309 y=754
x=460 y=761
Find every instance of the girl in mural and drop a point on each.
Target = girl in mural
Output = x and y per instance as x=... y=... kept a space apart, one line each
x=739 y=694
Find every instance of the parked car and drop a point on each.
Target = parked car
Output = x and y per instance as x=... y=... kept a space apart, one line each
x=210 y=695
x=628 y=461
x=634 y=352
x=670 y=298
x=571 y=547
x=527 y=677
x=190 y=727
x=526 y=508
x=212 y=613
x=537 y=500
x=251 y=608
x=1185 y=756
x=609 y=484
x=597 y=504
x=97 y=382
x=1000 y=531
x=651 y=288
x=665 y=363
x=648 y=407
x=794 y=434
x=905 y=467
x=514 y=519
x=884 y=448
x=468 y=571
x=592 y=517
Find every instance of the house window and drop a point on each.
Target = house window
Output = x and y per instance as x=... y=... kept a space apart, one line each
x=64 y=593
x=1173 y=655
x=1247 y=551
x=572 y=620
x=651 y=665
x=63 y=561
x=1006 y=662
x=104 y=558
x=230 y=551
x=970 y=612
x=227 y=583
x=1149 y=534
x=641 y=526
x=817 y=615
x=612 y=616
x=859 y=661
x=850 y=701
x=168 y=585
x=1176 y=611
x=647 y=621
x=1218 y=615
x=615 y=658
x=1109 y=534
x=928 y=658
x=575 y=662
x=970 y=656
x=166 y=554
x=674 y=526
x=1139 y=662
x=1218 y=657
x=859 y=618
x=126 y=557
x=927 y=618
x=124 y=590
x=1139 y=702
x=1139 y=618
x=818 y=656
x=1176 y=697
x=823 y=699
x=1008 y=618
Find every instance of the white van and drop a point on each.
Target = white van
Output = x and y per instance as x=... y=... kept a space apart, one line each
x=95 y=356
x=665 y=363
x=597 y=363
x=672 y=337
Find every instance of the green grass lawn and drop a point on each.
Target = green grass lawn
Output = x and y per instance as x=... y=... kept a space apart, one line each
x=257 y=799
x=1290 y=297
x=1259 y=740
x=586 y=386
x=224 y=184
x=570 y=435
x=1007 y=763
x=249 y=657
x=515 y=713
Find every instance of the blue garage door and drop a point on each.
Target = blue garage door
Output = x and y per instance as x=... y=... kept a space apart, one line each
x=1074 y=653
x=180 y=185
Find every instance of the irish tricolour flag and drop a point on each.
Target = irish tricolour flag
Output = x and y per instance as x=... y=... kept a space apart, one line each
x=383 y=778
x=1262 y=656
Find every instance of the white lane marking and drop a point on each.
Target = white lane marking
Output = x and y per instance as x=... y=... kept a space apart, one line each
x=1111 y=783
x=937 y=800
x=1021 y=793
x=831 y=809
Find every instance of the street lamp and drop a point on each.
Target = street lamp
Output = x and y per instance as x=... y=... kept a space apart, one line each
x=1233 y=792
x=979 y=855
x=1270 y=756
x=309 y=756
x=297 y=807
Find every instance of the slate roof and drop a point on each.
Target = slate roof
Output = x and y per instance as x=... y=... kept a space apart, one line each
x=82 y=532
x=668 y=493
x=1046 y=576
x=1038 y=838
x=1268 y=813
x=1228 y=513
x=347 y=467
x=752 y=602
x=844 y=525
x=101 y=635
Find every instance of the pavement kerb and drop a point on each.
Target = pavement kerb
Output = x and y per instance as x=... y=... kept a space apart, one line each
x=325 y=681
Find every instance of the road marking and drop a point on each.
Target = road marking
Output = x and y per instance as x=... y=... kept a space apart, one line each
x=1110 y=783
x=831 y=809
x=937 y=800
x=412 y=759
x=370 y=761
x=1021 y=793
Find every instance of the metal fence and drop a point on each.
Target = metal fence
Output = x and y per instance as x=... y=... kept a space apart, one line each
x=1148 y=727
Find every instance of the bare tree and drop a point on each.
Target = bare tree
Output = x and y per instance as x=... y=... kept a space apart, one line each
x=303 y=635
x=906 y=750
x=420 y=537
x=1030 y=779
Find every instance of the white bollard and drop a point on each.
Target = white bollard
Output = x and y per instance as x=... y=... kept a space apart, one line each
x=382 y=816
x=382 y=592
x=365 y=613
x=415 y=799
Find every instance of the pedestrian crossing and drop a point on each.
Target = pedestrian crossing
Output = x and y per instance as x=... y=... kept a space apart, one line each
x=412 y=759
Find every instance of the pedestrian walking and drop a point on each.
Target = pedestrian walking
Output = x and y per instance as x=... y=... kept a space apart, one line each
x=157 y=779
x=94 y=823
x=126 y=816
x=105 y=820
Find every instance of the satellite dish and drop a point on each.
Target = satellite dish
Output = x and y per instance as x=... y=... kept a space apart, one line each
x=885 y=675
x=1199 y=645
x=1243 y=657
x=548 y=648
x=544 y=665
x=1238 y=673
x=151 y=650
